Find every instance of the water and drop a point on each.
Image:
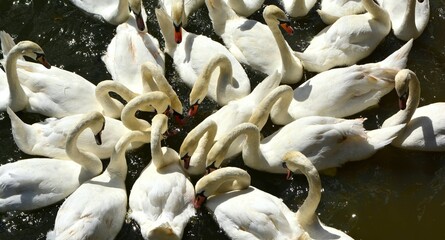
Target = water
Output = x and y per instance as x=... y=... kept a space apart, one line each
x=395 y=194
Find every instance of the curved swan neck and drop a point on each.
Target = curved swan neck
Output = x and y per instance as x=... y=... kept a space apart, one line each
x=112 y=107
x=118 y=162
x=159 y=126
x=296 y=161
x=122 y=12
x=225 y=78
x=153 y=79
x=157 y=99
x=18 y=97
x=89 y=161
x=223 y=180
x=376 y=11
x=167 y=30
x=280 y=97
x=219 y=150
x=202 y=136
x=220 y=13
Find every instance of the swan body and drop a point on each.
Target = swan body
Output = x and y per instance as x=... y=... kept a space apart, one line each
x=425 y=126
x=408 y=18
x=245 y=8
x=96 y=210
x=113 y=11
x=246 y=40
x=298 y=8
x=306 y=215
x=229 y=116
x=127 y=51
x=48 y=138
x=161 y=199
x=48 y=92
x=342 y=92
x=328 y=142
x=37 y=182
x=243 y=211
x=331 y=10
x=191 y=57
x=350 y=39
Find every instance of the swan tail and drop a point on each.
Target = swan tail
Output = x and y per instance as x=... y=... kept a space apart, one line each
x=158 y=231
x=7 y=43
x=21 y=132
x=397 y=60
x=167 y=30
x=383 y=136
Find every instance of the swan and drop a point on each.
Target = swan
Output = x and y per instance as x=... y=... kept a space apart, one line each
x=97 y=209
x=192 y=56
x=425 y=126
x=298 y=8
x=246 y=40
x=306 y=215
x=243 y=211
x=343 y=43
x=331 y=10
x=342 y=92
x=115 y=11
x=245 y=8
x=127 y=51
x=161 y=199
x=38 y=182
x=237 y=111
x=222 y=88
x=408 y=18
x=48 y=138
x=48 y=91
x=328 y=142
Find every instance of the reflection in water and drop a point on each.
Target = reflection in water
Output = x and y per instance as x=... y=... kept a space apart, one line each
x=395 y=194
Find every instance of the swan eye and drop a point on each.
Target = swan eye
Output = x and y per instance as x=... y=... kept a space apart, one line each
x=284 y=165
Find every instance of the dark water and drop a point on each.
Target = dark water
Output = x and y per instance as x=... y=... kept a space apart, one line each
x=396 y=194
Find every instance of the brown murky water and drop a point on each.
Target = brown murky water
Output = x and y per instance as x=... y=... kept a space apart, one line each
x=395 y=194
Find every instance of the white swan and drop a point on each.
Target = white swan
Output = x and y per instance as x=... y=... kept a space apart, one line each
x=342 y=92
x=216 y=81
x=331 y=10
x=37 y=182
x=408 y=17
x=48 y=138
x=229 y=116
x=127 y=51
x=350 y=39
x=97 y=209
x=243 y=211
x=425 y=126
x=298 y=8
x=306 y=215
x=328 y=142
x=52 y=92
x=245 y=8
x=113 y=11
x=161 y=199
x=192 y=55
x=246 y=39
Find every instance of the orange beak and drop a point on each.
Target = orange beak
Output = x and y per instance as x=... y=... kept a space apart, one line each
x=193 y=110
x=287 y=27
x=41 y=59
x=178 y=33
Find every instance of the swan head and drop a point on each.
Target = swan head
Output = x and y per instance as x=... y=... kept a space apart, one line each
x=402 y=79
x=136 y=8
x=32 y=50
x=220 y=181
x=274 y=15
x=295 y=161
x=177 y=16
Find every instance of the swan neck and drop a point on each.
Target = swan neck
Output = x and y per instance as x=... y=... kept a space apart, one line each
x=223 y=180
x=376 y=11
x=167 y=30
x=18 y=97
x=219 y=15
x=157 y=157
x=112 y=107
x=306 y=213
x=207 y=131
x=409 y=17
x=280 y=98
x=122 y=12
x=225 y=79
